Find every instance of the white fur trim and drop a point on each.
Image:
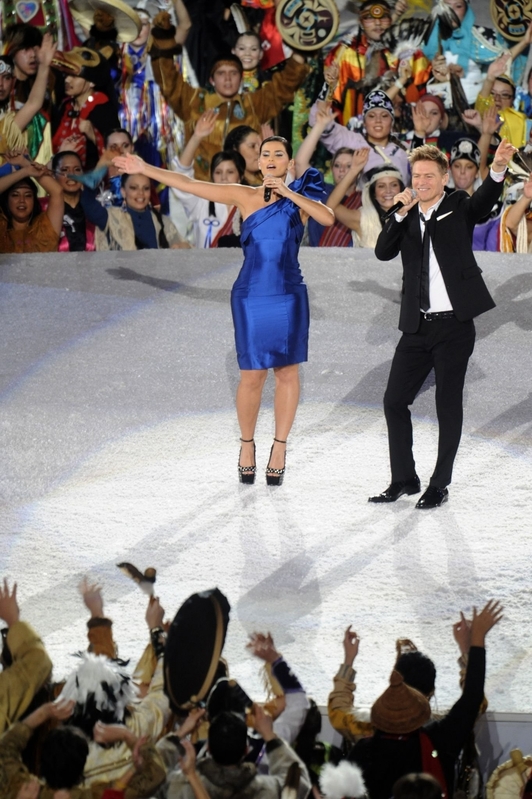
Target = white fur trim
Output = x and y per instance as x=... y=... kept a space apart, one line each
x=343 y=780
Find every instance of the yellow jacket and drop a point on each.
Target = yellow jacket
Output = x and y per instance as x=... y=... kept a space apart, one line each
x=341 y=707
x=514 y=122
x=249 y=108
x=28 y=673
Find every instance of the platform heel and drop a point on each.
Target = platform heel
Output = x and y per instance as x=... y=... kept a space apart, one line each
x=246 y=474
x=274 y=477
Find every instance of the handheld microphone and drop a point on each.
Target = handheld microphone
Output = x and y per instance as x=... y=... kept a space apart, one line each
x=267 y=194
x=397 y=207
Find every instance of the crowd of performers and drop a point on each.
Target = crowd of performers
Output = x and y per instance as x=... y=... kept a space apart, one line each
x=194 y=88
x=179 y=726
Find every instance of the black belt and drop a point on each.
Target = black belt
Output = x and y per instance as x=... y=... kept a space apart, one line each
x=430 y=317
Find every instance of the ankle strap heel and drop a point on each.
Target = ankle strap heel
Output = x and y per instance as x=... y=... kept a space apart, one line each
x=274 y=477
x=246 y=474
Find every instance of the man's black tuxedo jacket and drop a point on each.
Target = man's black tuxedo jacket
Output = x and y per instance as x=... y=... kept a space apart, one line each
x=451 y=229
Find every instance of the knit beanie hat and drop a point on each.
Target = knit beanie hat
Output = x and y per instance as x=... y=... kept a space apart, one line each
x=377 y=99
x=433 y=98
x=465 y=148
x=400 y=709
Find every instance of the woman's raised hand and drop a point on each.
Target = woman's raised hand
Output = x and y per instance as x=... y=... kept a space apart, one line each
x=129 y=164
x=325 y=114
x=206 y=122
x=360 y=159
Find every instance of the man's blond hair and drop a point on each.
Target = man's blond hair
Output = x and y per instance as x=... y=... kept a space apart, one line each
x=427 y=152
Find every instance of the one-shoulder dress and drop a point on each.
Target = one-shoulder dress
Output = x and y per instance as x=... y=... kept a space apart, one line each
x=269 y=299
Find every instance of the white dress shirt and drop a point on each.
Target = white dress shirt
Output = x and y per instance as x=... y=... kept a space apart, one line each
x=439 y=299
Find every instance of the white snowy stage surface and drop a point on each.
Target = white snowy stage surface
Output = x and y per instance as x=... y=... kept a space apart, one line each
x=119 y=442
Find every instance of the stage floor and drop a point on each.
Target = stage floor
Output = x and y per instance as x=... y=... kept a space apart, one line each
x=119 y=442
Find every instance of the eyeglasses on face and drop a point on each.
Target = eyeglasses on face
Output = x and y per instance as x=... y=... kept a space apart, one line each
x=502 y=95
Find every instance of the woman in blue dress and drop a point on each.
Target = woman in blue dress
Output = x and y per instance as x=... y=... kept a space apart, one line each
x=269 y=299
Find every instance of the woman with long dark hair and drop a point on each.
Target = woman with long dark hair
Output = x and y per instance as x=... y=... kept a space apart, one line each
x=380 y=187
x=77 y=234
x=269 y=298
x=23 y=227
x=246 y=141
x=135 y=226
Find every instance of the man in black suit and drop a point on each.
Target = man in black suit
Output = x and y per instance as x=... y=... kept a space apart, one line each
x=442 y=292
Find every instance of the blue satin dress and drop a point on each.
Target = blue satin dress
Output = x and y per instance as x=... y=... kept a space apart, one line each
x=269 y=299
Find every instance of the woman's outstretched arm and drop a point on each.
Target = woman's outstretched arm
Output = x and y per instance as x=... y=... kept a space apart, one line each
x=229 y=193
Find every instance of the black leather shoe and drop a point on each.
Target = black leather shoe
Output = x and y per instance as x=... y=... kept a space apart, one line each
x=433 y=498
x=396 y=490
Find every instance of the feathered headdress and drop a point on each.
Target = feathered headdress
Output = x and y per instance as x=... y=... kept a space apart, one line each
x=101 y=691
x=446 y=16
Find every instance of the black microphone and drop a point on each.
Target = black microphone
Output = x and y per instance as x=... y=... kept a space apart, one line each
x=267 y=194
x=397 y=207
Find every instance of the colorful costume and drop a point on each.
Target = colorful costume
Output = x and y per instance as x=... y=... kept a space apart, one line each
x=336 y=136
x=515 y=125
x=250 y=108
x=143 y=111
x=97 y=110
x=361 y=64
x=471 y=47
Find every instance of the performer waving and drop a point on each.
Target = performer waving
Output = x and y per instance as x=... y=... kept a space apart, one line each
x=443 y=291
x=269 y=299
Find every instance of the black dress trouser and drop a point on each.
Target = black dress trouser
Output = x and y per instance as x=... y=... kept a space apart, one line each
x=445 y=345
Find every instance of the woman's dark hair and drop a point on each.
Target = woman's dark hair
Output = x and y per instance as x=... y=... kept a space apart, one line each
x=418 y=671
x=281 y=139
x=119 y=130
x=58 y=157
x=235 y=137
x=4 y=201
x=162 y=240
x=373 y=175
x=417 y=786
x=229 y=155
x=126 y=175
x=507 y=82
x=306 y=738
x=64 y=754
x=228 y=738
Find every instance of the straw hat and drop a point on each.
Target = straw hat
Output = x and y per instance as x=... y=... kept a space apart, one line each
x=400 y=709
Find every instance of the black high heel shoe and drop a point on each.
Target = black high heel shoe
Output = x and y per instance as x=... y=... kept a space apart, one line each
x=246 y=474
x=274 y=477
